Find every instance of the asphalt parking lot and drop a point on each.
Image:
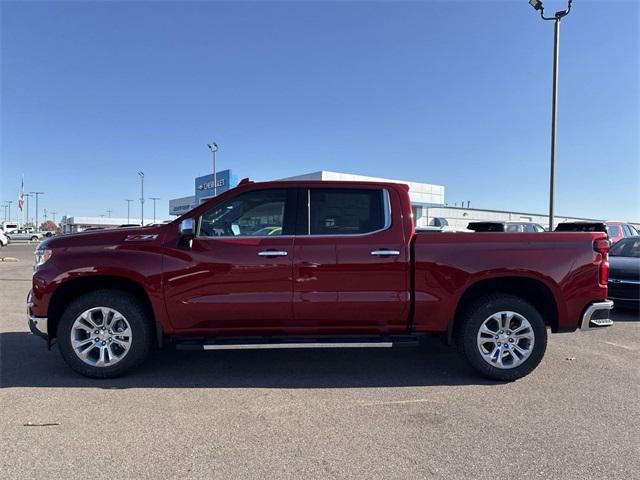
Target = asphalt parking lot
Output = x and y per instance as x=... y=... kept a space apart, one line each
x=405 y=413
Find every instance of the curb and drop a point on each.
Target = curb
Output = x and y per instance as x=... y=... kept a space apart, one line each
x=8 y=259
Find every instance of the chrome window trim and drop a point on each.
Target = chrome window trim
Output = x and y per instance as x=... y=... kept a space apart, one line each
x=227 y=237
x=386 y=201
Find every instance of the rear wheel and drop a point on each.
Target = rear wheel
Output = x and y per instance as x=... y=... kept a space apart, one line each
x=34 y=239
x=104 y=333
x=502 y=336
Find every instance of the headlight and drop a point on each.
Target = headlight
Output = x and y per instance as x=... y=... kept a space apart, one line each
x=42 y=255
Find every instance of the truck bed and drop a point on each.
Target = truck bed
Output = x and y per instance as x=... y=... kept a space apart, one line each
x=562 y=267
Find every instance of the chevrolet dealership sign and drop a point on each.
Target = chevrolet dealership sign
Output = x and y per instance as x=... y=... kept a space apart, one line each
x=225 y=180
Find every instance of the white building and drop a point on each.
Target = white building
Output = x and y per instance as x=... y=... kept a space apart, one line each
x=178 y=206
x=79 y=224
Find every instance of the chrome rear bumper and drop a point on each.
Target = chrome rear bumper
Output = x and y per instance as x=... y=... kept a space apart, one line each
x=597 y=315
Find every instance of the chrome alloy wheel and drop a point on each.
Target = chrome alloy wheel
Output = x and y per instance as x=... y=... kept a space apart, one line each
x=101 y=336
x=505 y=339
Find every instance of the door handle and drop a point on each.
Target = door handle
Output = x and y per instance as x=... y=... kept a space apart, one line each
x=384 y=252
x=272 y=253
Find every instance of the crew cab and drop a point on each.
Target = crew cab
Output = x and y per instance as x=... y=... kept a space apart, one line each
x=311 y=264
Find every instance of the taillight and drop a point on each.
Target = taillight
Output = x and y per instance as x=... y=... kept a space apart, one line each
x=603 y=273
x=601 y=246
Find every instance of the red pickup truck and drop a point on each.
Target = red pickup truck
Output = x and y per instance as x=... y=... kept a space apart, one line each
x=311 y=264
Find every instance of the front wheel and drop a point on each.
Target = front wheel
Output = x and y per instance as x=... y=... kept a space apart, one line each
x=34 y=239
x=105 y=333
x=502 y=336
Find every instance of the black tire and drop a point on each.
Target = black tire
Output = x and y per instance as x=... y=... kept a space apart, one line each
x=34 y=239
x=473 y=318
x=135 y=314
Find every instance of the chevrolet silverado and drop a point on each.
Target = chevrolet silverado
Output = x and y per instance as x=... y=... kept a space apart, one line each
x=312 y=264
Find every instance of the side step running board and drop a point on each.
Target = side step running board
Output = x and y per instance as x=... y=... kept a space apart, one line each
x=273 y=344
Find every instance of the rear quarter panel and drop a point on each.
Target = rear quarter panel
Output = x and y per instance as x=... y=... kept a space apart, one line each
x=447 y=264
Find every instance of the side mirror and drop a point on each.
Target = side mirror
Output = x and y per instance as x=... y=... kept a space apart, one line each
x=188 y=227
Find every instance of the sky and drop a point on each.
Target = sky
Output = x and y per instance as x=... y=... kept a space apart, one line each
x=456 y=93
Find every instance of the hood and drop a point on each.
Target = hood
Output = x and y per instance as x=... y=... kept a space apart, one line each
x=113 y=236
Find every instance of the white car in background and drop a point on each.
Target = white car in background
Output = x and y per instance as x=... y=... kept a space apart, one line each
x=24 y=234
x=4 y=241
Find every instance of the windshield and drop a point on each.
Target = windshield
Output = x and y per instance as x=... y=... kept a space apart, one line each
x=629 y=247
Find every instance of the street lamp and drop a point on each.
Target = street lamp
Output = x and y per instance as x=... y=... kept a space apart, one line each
x=141 y=173
x=537 y=4
x=37 y=194
x=27 y=195
x=9 y=202
x=128 y=210
x=213 y=146
x=154 y=207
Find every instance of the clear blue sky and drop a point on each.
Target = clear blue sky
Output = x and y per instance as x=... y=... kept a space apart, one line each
x=449 y=92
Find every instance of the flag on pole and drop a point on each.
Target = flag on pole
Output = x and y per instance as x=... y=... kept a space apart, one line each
x=21 y=196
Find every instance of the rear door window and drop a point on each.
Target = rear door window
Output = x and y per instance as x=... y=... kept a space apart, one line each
x=341 y=211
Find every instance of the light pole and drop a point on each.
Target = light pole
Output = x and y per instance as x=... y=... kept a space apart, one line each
x=213 y=146
x=5 y=211
x=537 y=4
x=128 y=210
x=154 y=207
x=141 y=173
x=9 y=202
x=109 y=213
x=27 y=195
x=54 y=216
x=37 y=194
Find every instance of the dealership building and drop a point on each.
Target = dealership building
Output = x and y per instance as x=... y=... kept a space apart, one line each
x=427 y=200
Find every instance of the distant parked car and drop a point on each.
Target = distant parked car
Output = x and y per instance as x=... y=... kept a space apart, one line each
x=442 y=229
x=624 y=272
x=619 y=230
x=581 y=227
x=24 y=234
x=510 y=227
x=524 y=227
